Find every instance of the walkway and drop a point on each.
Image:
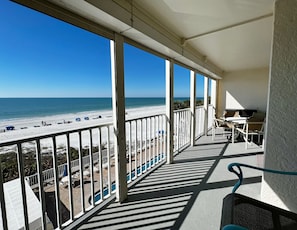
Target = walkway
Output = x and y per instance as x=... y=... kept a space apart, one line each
x=187 y=194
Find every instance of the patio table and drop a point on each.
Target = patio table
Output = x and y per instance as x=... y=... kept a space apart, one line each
x=234 y=122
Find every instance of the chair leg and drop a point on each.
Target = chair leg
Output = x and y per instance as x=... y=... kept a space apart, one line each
x=246 y=140
x=233 y=134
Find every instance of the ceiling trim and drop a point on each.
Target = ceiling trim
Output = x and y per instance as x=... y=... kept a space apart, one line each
x=185 y=40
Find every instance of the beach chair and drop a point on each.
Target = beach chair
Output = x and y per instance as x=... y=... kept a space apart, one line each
x=241 y=212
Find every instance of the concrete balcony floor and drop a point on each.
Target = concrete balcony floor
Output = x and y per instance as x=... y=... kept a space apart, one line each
x=187 y=194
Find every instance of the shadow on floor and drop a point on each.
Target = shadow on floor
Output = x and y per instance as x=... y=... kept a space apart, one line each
x=50 y=201
x=163 y=199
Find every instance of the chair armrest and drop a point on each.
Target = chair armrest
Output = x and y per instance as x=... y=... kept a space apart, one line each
x=219 y=119
x=240 y=174
x=233 y=227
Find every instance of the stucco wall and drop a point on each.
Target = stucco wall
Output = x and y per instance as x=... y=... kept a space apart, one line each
x=281 y=131
x=246 y=89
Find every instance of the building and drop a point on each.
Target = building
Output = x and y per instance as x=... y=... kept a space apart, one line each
x=14 y=205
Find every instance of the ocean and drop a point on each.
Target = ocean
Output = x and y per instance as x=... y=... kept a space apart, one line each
x=11 y=108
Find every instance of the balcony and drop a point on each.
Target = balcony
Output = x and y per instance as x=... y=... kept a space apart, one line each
x=256 y=71
x=179 y=195
x=185 y=195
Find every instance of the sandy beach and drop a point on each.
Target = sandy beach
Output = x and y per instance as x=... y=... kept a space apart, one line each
x=37 y=126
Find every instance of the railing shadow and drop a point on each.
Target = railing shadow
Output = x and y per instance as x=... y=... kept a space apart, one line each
x=164 y=198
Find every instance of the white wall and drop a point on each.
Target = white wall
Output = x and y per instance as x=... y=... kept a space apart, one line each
x=281 y=131
x=247 y=89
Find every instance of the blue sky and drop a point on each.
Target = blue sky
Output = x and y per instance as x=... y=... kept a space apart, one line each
x=43 y=57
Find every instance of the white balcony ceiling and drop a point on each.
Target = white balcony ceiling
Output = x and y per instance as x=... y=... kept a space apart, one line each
x=213 y=36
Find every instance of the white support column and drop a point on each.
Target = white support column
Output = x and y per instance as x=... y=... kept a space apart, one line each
x=281 y=126
x=205 y=105
x=193 y=106
x=213 y=102
x=169 y=109
x=213 y=93
x=118 y=106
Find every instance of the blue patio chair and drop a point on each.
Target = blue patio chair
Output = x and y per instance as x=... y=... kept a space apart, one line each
x=240 y=212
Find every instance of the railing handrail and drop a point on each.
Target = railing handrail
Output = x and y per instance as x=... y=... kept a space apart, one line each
x=146 y=117
x=197 y=107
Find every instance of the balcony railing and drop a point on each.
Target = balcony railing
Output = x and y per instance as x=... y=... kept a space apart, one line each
x=182 y=130
x=81 y=163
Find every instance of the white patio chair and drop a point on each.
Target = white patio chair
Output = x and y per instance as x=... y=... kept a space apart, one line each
x=253 y=126
x=219 y=123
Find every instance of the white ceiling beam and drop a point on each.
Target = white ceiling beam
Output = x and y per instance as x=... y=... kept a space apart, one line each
x=185 y=40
